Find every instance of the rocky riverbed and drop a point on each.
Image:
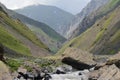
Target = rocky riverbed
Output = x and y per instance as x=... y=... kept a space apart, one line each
x=58 y=74
x=91 y=68
x=103 y=69
x=108 y=72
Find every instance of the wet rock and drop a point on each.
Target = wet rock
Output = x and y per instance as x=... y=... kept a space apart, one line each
x=60 y=72
x=47 y=76
x=63 y=69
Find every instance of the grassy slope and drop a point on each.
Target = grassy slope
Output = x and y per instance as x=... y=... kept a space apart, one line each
x=13 y=43
x=91 y=37
x=45 y=28
x=9 y=41
x=110 y=5
x=51 y=38
x=50 y=42
x=22 y=29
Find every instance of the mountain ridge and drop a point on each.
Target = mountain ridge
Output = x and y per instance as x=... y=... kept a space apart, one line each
x=18 y=39
x=46 y=34
x=103 y=36
x=92 y=6
x=55 y=17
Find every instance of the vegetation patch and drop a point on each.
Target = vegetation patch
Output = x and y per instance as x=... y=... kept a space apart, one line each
x=22 y=29
x=11 y=42
x=104 y=28
x=13 y=64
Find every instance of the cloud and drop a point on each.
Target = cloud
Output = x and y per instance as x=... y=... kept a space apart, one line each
x=73 y=6
x=15 y=4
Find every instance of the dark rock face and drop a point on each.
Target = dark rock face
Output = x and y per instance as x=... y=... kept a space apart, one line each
x=76 y=64
x=1 y=52
x=60 y=72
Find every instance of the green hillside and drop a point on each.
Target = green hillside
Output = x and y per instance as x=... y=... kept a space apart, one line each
x=11 y=42
x=14 y=35
x=103 y=37
x=90 y=20
x=46 y=34
x=21 y=28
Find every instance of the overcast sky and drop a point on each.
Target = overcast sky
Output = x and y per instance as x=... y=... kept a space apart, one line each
x=73 y=6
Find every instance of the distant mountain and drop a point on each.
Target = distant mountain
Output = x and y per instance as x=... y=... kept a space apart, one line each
x=54 y=17
x=103 y=37
x=78 y=20
x=18 y=39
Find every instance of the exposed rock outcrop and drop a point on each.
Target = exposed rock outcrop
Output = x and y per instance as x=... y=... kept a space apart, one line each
x=106 y=73
x=80 y=55
x=78 y=59
x=81 y=22
x=116 y=56
x=4 y=72
x=114 y=60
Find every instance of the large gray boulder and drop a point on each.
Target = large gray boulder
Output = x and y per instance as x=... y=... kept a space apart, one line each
x=79 y=55
x=78 y=59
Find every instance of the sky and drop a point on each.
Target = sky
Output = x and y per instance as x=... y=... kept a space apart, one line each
x=72 y=6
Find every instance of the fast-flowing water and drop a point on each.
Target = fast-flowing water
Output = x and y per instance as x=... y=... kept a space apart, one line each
x=71 y=76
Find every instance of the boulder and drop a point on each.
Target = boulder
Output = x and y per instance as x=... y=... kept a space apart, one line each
x=59 y=72
x=78 y=59
x=79 y=55
x=108 y=72
x=76 y=64
x=4 y=72
x=116 y=56
x=115 y=59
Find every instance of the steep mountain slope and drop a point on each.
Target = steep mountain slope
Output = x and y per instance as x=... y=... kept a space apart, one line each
x=104 y=36
x=18 y=39
x=51 y=15
x=89 y=20
x=80 y=17
x=46 y=34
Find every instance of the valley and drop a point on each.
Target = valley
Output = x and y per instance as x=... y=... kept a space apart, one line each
x=43 y=42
